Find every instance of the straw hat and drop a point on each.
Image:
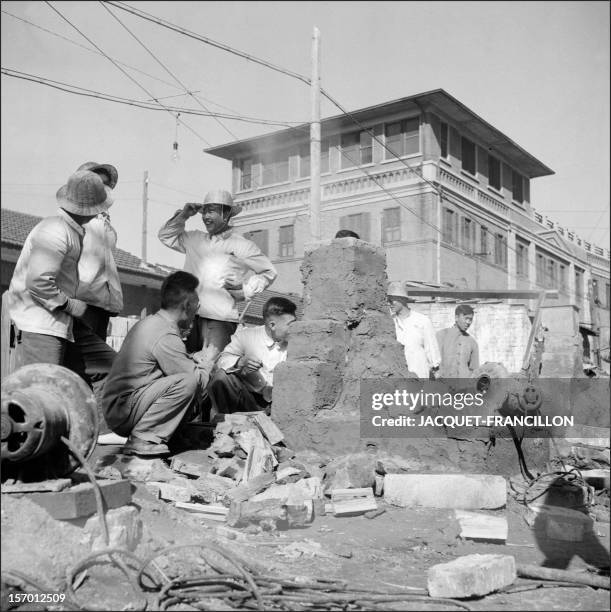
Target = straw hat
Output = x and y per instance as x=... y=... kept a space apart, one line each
x=84 y=194
x=397 y=289
x=222 y=197
x=97 y=168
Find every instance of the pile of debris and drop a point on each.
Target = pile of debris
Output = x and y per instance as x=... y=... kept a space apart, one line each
x=249 y=477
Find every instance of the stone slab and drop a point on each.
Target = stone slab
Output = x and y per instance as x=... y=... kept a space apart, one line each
x=461 y=491
x=482 y=527
x=471 y=576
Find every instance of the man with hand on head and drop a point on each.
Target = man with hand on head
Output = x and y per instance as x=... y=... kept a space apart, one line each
x=154 y=384
x=414 y=331
x=99 y=285
x=459 y=350
x=243 y=380
x=42 y=300
x=229 y=267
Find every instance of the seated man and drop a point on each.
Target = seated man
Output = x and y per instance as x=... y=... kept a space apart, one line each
x=243 y=380
x=154 y=382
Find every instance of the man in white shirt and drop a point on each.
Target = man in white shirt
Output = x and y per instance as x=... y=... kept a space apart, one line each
x=42 y=299
x=229 y=267
x=244 y=377
x=99 y=285
x=415 y=332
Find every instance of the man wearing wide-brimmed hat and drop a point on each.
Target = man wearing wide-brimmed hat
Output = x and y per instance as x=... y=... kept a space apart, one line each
x=42 y=299
x=228 y=266
x=99 y=285
x=414 y=331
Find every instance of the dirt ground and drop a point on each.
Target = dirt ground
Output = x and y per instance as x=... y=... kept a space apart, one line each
x=391 y=551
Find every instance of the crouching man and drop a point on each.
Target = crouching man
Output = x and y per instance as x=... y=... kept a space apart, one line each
x=243 y=380
x=154 y=384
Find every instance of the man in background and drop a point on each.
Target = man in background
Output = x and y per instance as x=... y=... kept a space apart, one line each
x=459 y=350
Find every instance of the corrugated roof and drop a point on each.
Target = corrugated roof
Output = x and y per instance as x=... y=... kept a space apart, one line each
x=17 y=225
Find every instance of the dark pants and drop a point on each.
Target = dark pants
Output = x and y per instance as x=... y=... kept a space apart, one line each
x=154 y=413
x=229 y=394
x=209 y=331
x=97 y=318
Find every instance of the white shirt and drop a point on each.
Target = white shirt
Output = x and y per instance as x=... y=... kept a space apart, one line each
x=255 y=343
x=46 y=276
x=99 y=283
x=211 y=259
x=415 y=332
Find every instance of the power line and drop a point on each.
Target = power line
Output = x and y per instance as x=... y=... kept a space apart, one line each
x=123 y=71
x=168 y=71
x=190 y=193
x=76 y=89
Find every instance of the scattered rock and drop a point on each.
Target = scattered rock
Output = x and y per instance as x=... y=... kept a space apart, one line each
x=124 y=530
x=223 y=445
x=350 y=472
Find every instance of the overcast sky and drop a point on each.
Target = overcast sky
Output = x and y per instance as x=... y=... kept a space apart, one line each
x=538 y=71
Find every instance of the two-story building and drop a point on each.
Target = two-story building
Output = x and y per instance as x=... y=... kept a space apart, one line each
x=443 y=191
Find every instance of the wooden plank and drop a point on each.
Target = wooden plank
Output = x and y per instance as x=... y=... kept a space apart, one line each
x=483 y=527
x=260 y=459
x=34 y=487
x=214 y=513
x=254 y=486
x=354 y=507
x=268 y=428
x=347 y=494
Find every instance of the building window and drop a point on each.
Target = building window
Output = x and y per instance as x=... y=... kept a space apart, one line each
x=356 y=149
x=468 y=156
x=259 y=237
x=494 y=172
x=483 y=241
x=500 y=250
x=246 y=174
x=286 y=241
x=578 y=286
x=358 y=223
x=540 y=270
x=304 y=159
x=595 y=296
x=517 y=188
x=449 y=226
x=521 y=259
x=402 y=138
x=275 y=168
x=467 y=235
x=391 y=225
x=562 y=286
x=443 y=140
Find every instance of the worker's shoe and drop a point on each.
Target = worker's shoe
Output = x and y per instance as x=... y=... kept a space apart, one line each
x=144 y=448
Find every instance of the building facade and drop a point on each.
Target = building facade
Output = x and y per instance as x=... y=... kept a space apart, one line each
x=444 y=192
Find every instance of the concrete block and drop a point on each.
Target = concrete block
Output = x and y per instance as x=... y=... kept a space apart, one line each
x=462 y=491
x=79 y=500
x=323 y=340
x=124 y=530
x=560 y=319
x=482 y=527
x=244 y=513
x=471 y=576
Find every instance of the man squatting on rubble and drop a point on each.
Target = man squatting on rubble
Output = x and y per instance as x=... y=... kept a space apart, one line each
x=154 y=384
x=243 y=379
x=50 y=320
x=229 y=267
x=459 y=350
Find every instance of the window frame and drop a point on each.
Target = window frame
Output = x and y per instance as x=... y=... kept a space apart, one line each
x=290 y=246
x=491 y=159
x=404 y=137
x=386 y=228
x=250 y=174
x=359 y=148
x=463 y=141
x=447 y=140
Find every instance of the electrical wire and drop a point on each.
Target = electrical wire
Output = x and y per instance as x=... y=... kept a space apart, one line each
x=180 y=83
x=131 y=78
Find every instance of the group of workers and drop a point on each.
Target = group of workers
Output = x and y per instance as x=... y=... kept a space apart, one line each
x=65 y=288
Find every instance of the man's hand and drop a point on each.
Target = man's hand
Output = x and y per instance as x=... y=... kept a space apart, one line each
x=236 y=294
x=206 y=357
x=247 y=365
x=232 y=281
x=75 y=308
x=190 y=209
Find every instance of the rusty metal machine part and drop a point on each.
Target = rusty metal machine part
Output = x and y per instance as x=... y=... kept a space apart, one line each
x=40 y=403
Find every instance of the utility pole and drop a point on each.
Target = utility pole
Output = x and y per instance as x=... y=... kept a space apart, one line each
x=315 y=139
x=145 y=202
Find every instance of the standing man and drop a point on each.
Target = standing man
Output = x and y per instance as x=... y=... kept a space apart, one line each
x=229 y=267
x=42 y=299
x=243 y=380
x=415 y=332
x=99 y=285
x=459 y=350
x=154 y=384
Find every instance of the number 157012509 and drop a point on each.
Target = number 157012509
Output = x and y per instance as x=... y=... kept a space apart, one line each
x=36 y=597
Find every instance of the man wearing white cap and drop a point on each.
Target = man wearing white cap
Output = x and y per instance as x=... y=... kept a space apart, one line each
x=42 y=299
x=228 y=266
x=99 y=285
x=415 y=332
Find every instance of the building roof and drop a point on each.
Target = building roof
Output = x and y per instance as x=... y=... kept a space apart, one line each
x=437 y=99
x=17 y=225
